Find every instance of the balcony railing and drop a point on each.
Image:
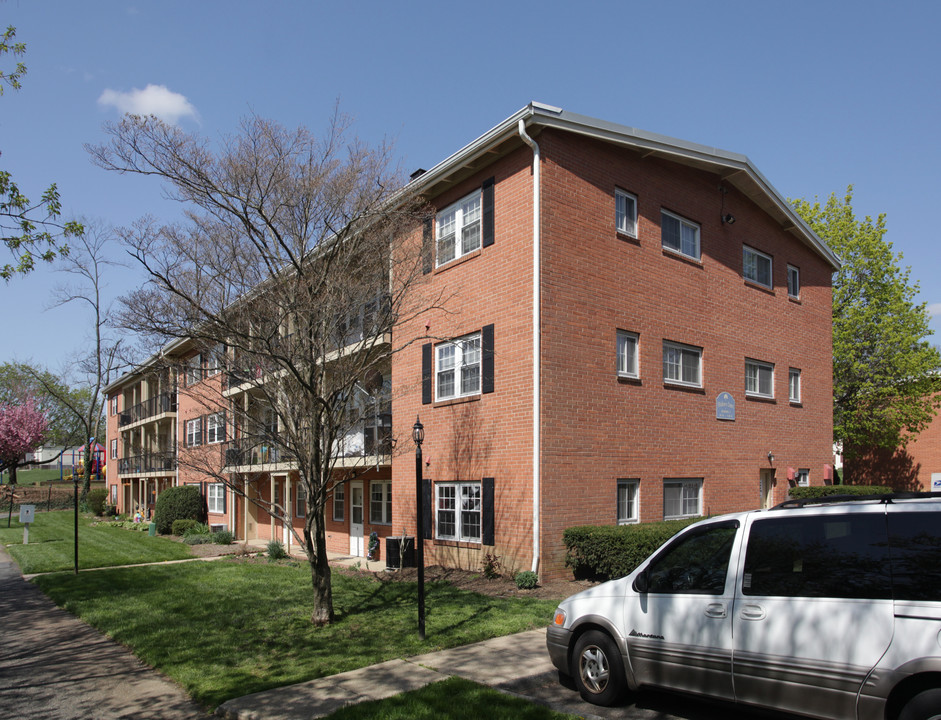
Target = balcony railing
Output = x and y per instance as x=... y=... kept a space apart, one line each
x=255 y=451
x=164 y=461
x=367 y=439
x=157 y=405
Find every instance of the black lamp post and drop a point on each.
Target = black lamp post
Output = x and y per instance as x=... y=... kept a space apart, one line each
x=418 y=435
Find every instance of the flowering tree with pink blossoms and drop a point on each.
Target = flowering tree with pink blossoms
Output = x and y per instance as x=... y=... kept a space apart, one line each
x=22 y=429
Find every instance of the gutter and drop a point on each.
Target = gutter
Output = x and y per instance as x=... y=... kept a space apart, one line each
x=537 y=325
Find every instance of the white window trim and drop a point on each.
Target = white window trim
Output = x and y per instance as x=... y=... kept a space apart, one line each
x=300 y=496
x=213 y=361
x=623 y=369
x=802 y=473
x=194 y=370
x=684 y=483
x=683 y=221
x=215 y=428
x=633 y=487
x=669 y=345
x=215 y=502
x=339 y=501
x=797 y=275
x=791 y=374
x=459 y=226
x=386 y=503
x=758 y=255
x=630 y=227
x=459 y=345
x=196 y=424
x=459 y=534
x=760 y=365
x=114 y=449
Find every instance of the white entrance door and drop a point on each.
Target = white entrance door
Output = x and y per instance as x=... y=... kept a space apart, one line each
x=767 y=488
x=356 y=519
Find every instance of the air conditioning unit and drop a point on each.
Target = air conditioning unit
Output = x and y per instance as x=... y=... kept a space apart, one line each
x=217 y=528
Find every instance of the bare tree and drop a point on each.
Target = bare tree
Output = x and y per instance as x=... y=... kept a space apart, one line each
x=295 y=261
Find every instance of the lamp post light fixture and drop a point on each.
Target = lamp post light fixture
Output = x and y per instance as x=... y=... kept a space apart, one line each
x=418 y=435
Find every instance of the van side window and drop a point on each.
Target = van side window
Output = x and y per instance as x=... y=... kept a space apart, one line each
x=697 y=562
x=843 y=556
x=915 y=540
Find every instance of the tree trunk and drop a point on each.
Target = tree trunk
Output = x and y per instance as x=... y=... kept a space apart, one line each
x=315 y=539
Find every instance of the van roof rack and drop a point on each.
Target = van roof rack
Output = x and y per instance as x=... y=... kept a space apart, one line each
x=878 y=497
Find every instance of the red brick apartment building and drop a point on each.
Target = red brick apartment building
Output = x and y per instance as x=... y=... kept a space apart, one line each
x=639 y=328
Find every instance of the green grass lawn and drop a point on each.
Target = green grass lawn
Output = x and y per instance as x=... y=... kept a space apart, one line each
x=52 y=543
x=455 y=699
x=39 y=475
x=232 y=627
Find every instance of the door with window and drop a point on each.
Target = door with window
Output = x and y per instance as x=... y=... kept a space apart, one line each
x=679 y=622
x=767 y=488
x=813 y=611
x=356 y=520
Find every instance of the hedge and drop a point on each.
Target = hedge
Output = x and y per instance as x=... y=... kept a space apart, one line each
x=601 y=552
x=174 y=503
x=818 y=491
x=96 y=500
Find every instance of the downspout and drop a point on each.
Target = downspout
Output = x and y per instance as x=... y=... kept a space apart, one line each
x=537 y=324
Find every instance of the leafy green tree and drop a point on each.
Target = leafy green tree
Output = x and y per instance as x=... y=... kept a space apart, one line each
x=885 y=372
x=31 y=230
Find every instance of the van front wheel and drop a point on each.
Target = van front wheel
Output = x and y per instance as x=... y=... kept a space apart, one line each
x=926 y=705
x=599 y=669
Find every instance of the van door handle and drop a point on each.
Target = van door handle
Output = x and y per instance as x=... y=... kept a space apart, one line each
x=716 y=610
x=753 y=612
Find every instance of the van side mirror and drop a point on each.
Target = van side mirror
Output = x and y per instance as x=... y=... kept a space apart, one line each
x=641 y=582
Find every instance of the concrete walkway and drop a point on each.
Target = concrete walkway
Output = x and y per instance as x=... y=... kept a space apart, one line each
x=53 y=665
x=493 y=662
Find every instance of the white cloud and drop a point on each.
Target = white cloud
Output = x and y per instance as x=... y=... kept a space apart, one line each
x=934 y=309
x=152 y=100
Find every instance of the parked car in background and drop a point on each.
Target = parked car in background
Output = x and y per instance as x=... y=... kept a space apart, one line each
x=829 y=608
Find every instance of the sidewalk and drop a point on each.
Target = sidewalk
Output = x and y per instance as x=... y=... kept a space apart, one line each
x=496 y=662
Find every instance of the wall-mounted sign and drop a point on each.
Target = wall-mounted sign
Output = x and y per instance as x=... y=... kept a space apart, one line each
x=935 y=482
x=725 y=406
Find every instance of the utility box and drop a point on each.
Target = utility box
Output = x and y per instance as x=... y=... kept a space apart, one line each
x=395 y=557
x=152 y=530
x=27 y=514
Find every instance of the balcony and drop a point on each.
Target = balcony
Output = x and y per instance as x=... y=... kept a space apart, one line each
x=157 y=462
x=372 y=439
x=157 y=405
x=247 y=452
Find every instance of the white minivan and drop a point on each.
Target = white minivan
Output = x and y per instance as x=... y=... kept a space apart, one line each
x=829 y=608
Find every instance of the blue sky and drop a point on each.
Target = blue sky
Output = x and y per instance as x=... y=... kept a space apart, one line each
x=819 y=95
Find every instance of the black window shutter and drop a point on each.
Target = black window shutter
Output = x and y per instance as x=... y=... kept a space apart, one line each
x=426 y=508
x=427 y=241
x=487 y=514
x=426 y=351
x=225 y=498
x=203 y=428
x=486 y=191
x=486 y=360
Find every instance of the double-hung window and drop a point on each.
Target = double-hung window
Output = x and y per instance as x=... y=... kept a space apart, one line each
x=457 y=368
x=679 y=235
x=793 y=282
x=339 y=501
x=627 y=502
x=215 y=428
x=114 y=405
x=194 y=432
x=194 y=369
x=458 y=228
x=215 y=498
x=380 y=502
x=682 y=364
x=802 y=477
x=627 y=354
x=794 y=385
x=625 y=213
x=300 y=504
x=756 y=266
x=759 y=378
x=682 y=498
x=458 y=511
x=114 y=449
x=214 y=361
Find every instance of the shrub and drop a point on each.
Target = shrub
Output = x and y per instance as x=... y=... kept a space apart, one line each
x=276 y=550
x=181 y=526
x=96 y=500
x=491 y=566
x=197 y=539
x=183 y=501
x=818 y=491
x=601 y=552
x=223 y=537
x=526 y=579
